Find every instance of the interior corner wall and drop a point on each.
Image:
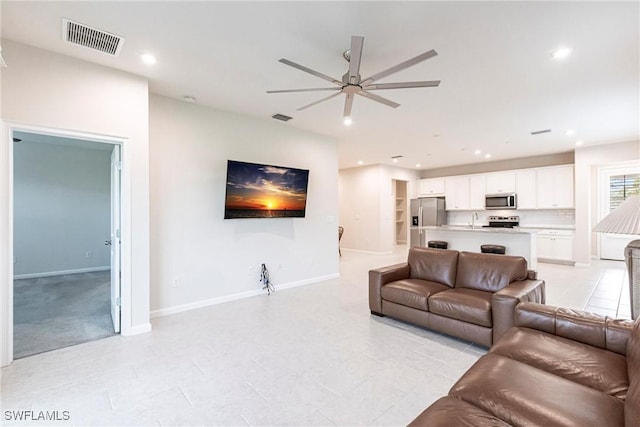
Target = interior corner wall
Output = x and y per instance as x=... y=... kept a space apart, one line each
x=199 y=258
x=43 y=88
x=586 y=160
x=61 y=205
x=367 y=206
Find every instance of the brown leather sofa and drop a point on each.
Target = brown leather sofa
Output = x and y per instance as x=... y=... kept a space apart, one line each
x=557 y=367
x=468 y=295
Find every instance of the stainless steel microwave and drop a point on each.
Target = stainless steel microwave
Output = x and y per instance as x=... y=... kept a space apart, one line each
x=500 y=201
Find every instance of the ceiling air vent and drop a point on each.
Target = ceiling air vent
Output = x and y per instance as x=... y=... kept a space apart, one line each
x=80 y=34
x=538 y=132
x=281 y=117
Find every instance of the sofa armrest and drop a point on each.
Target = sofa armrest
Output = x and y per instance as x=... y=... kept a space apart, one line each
x=380 y=277
x=504 y=302
x=588 y=328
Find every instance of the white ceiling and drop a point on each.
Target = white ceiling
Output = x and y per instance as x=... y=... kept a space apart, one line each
x=499 y=81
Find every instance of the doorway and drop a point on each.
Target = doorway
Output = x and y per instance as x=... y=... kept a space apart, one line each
x=66 y=241
x=400 y=211
x=616 y=183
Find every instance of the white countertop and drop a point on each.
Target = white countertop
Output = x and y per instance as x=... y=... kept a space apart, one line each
x=479 y=229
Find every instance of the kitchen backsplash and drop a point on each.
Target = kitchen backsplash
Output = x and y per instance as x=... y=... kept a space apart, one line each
x=528 y=218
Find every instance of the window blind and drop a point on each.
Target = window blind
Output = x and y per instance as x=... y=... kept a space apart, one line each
x=621 y=187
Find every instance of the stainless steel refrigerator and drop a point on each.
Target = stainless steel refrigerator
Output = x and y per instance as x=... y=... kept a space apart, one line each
x=425 y=212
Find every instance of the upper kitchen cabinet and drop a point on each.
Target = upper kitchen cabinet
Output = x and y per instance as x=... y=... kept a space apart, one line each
x=501 y=182
x=477 y=190
x=526 y=189
x=555 y=187
x=457 y=193
x=431 y=187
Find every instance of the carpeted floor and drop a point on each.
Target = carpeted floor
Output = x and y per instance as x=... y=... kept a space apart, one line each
x=59 y=311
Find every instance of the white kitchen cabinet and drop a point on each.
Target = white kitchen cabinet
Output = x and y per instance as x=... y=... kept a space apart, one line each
x=457 y=193
x=555 y=245
x=501 y=182
x=477 y=190
x=526 y=189
x=431 y=187
x=555 y=187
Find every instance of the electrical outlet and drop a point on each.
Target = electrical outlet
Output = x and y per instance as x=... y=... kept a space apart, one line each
x=175 y=283
x=87 y=254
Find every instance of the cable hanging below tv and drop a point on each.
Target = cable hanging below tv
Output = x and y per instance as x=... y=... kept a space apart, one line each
x=265 y=191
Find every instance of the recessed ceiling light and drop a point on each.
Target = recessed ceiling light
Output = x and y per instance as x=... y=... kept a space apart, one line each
x=477 y=152
x=487 y=156
x=395 y=160
x=579 y=143
x=507 y=142
x=347 y=121
x=148 y=58
x=417 y=165
x=360 y=162
x=569 y=132
x=561 y=53
x=436 y=135
x=428 y=154
x=190 y=99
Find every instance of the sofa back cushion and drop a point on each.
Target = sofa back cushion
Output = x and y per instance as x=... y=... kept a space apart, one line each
x=489 y=272
x=434 y=265
x=632 y=404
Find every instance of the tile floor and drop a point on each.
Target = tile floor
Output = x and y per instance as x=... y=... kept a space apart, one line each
x=306 y=356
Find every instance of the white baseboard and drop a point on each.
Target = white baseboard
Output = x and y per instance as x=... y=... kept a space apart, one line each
x=240 y=295
x=137 y=329
x=367 y=252
x=61 y=272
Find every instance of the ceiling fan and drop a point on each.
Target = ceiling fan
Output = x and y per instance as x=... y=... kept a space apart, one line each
x=352 y=84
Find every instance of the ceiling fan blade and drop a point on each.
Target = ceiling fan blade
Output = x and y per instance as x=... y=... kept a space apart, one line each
x=379 y=99
x=348 y=103
x=355 y=57
x=379 y=86
x=319 y=101
x=310 y=71
x=401 y=66
x=304 y=90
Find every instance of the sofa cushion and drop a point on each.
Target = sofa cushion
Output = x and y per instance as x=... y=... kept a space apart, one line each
x=434 y=265
x=450 y=411
x=468 y=305
x=593 y=367
x=521 y=395
x=489 y=272
x=412 y=293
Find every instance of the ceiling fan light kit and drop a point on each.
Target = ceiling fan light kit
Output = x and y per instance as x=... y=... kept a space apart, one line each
x=352 y=84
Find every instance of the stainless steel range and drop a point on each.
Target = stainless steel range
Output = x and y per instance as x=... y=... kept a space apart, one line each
x=503 y=222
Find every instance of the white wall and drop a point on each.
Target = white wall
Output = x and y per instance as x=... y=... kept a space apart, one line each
x=47 y=89
x=367 y=206
x=587 y=160
x=61 y=204
x=215 y=259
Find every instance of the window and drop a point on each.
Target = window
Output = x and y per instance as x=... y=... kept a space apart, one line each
x=621 y=187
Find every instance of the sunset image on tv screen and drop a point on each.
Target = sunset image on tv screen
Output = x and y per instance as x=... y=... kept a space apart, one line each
x=264 y=191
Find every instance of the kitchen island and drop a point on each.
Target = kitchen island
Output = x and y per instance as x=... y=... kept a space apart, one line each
x=517 y=241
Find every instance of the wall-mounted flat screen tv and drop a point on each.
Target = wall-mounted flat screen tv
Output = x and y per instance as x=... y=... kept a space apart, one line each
x=265 y=191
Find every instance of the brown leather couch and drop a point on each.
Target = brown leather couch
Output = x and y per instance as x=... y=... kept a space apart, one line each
x=468 y=295
x=557 y=367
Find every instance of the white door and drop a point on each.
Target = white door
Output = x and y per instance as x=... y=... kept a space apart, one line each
x=115 y=237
